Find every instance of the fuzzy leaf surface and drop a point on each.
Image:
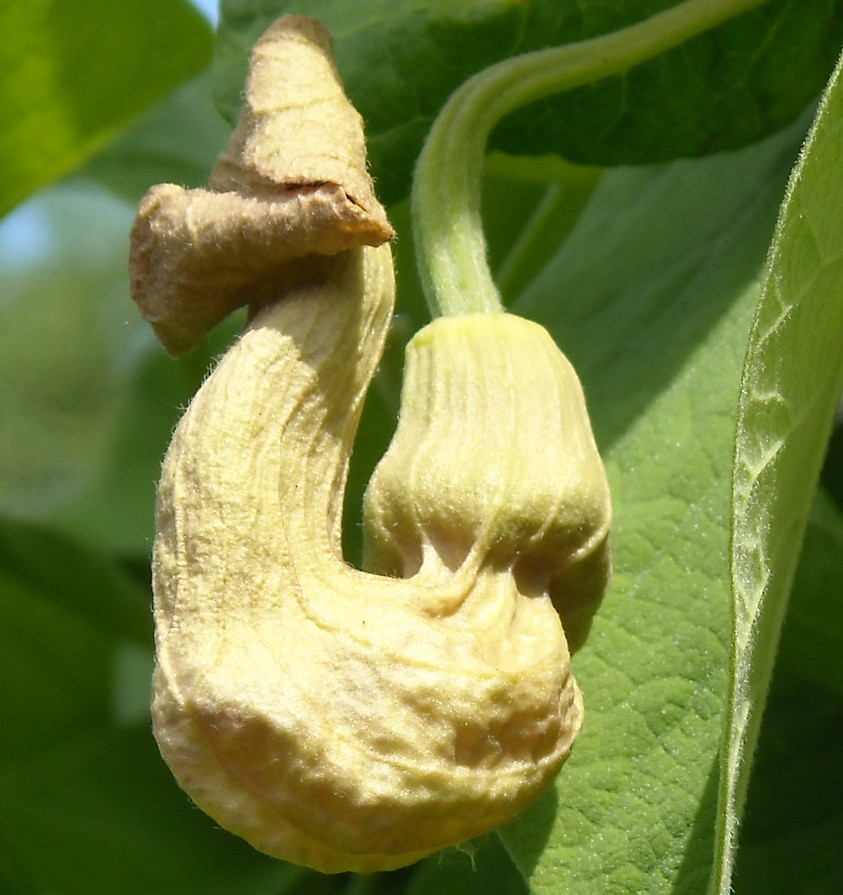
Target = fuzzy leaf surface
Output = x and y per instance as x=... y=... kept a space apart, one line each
x=401 y=60
x=789 y=393
x=651 y=297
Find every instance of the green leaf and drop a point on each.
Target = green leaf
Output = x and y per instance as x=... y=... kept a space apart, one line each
x=539 y=215
x=176 y=142
x=793 y=827
x=789 y=392
x=102 y=815
x=483 y=866
x=651 y=297
x=811 y=646
x=793 y=821
x=401 y=60
x=720 y=91
x=86 y=804
x=75 y=72
x=83 y=582
x=54 y=666
x=69 y=619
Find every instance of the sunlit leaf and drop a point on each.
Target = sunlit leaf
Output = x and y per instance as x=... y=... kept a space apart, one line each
x=75 y=72
x=790 y=389
x=651 y=297
x=176 y=142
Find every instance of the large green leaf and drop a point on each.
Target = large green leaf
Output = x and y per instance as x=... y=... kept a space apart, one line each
x=483 y=866
x=175 y=142
x=789 y=393
x=811 y=646
x=101 y=815
x=81 y=581
x=75 y=71
x=400 y=60
x=69 y=617
x=790 y=839
x=793 y=822
x=651 y=297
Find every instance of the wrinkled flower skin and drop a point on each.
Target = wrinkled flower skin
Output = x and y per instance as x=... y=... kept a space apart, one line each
x=337 y=718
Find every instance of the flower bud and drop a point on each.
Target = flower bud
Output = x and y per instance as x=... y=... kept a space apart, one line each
x=494 y=463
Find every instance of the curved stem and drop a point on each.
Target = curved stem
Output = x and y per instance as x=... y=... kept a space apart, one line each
x=446 y=185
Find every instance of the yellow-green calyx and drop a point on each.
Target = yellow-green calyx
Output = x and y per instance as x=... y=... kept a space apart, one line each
x=337 y=718
x=493 y=466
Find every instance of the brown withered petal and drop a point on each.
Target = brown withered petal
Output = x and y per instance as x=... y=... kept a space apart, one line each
x=291 y=183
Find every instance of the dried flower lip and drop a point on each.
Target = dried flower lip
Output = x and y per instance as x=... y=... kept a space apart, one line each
x=197 y=255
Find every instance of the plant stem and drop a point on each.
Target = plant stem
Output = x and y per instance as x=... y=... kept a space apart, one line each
x=446 y=186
